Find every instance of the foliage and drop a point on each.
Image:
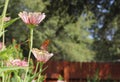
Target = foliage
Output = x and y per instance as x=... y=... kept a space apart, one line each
x=94 y=24
x=106 y=31
x=67 y=29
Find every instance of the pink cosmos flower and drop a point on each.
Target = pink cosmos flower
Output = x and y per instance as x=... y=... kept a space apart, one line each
x=32 y=18
x=6 y=19
x=60 y=81
x=41 y=55
x=17 y=62
x=33 y=80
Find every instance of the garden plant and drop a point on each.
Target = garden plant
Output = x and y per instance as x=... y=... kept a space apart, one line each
x=14 y=67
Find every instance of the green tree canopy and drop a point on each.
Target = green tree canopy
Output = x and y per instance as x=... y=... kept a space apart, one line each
x=79 y=30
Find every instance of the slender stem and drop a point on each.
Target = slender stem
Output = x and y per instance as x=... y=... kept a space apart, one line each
x=2 y=22
x=40 y=78
x=41 y=65
x=3 y=75
x=3 y=38
x=31 y=44
x=9 y=77
x=36 y=67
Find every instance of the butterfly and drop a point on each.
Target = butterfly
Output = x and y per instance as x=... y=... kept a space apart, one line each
x=42 y=55
x=45 y=45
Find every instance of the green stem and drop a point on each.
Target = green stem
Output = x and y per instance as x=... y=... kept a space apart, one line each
x=2 y=22
x=3 y=75
x=40 y=78
x=36 y=68
x=3 y=40
x=31 y=44
x=41 y=65
x=9 y=75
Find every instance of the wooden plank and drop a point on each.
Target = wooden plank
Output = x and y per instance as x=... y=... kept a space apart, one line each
x=83 y=70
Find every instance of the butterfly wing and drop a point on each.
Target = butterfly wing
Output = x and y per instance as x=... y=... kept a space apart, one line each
x=45 y=44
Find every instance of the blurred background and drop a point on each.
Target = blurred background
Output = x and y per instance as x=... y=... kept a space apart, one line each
x=78 y=30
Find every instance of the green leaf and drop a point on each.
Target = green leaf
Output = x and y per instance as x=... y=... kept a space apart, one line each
x=35 y=75
x=10 y=22
x=18 y=78
x=3 y=69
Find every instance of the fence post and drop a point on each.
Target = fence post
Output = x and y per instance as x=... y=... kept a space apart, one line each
x=66 y=72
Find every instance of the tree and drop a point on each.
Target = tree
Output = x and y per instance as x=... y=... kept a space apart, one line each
x=79 y=30
x=67 y=26
x=106 y=31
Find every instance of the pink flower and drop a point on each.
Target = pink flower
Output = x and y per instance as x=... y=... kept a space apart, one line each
x=32 y=18
x=33 y=80
x=41 y=55
x=6 y=19
x=60 y=81
x=17 y=62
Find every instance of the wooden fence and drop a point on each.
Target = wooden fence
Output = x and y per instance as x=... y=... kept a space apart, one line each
x=83 y=71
